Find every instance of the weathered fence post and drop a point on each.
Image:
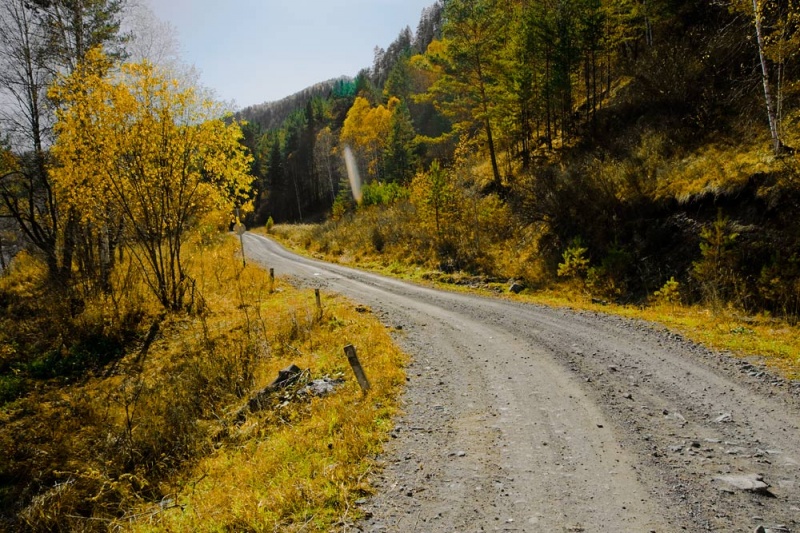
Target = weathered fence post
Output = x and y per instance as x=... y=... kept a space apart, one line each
x=271 y=280
x=319 y=304
x=350 y=351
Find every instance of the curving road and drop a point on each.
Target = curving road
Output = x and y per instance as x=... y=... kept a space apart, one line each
x=526 y=418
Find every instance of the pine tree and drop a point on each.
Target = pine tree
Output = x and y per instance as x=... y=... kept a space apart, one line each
x=400 y=157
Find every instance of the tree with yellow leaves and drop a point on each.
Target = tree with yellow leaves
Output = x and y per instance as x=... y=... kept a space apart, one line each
x=366 y=130
x=159 y=156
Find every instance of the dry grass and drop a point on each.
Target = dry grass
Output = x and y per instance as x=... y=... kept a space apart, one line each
x=151 y=440
x=301 y=466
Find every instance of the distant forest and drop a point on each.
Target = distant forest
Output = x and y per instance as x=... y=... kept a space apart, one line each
x=296 y=141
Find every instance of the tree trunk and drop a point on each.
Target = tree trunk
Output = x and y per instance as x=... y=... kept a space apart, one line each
x=493 y=156
x=771 y=115
x=487 y=124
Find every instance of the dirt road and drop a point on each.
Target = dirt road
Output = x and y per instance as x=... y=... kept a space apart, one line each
x=526 y=418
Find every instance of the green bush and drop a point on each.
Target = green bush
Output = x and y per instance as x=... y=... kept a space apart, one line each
x=610 y=278
x=93 y=352
x=670 y=293
x=382 y=194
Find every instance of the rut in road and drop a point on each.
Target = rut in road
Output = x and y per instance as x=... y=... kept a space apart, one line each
x=525 y=418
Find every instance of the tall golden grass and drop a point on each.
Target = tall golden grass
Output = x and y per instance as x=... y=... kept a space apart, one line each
x=155 y=437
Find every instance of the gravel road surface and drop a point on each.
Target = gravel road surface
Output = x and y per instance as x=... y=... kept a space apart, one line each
x=520 y=417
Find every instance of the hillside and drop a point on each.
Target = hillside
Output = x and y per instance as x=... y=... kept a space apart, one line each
x=270 y=115
x=616 y=146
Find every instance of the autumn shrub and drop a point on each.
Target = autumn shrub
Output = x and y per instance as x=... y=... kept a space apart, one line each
x=576 y=263
x=669 y=293
x=381 y=193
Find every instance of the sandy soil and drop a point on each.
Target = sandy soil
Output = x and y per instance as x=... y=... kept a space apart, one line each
x=525 y=418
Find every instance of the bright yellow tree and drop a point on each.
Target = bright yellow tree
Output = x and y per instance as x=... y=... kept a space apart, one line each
x=160 y=155
x=366 y=131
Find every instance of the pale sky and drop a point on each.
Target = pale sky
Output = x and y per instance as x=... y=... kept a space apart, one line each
x=254 y=51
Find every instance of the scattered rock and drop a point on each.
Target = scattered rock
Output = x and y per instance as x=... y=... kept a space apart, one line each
x=323 y=386
x=516 y=287
x=746 y=482
x=724 y=418
x=286 y=377
x=677 y=416
x=774 y=529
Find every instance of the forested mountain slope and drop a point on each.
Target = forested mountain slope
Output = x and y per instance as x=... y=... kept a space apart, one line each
x=616 y=144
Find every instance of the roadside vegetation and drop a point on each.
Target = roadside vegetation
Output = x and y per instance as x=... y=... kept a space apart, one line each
x=124 y=416
x=135 y=346
x=722 y=326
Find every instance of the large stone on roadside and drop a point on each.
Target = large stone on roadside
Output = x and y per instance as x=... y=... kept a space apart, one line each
x=516 y=287
x=745 y=482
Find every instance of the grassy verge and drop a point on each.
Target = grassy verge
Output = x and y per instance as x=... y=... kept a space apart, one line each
x=775 y=341
x=301 y=464
x=155 y=436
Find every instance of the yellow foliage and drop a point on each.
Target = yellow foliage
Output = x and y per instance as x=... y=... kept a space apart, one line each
x=713 y=170
x=366 y=131
x=159 y=156
x=125 y=138
x=160 y=433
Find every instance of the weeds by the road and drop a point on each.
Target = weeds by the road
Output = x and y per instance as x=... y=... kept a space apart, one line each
x=148 y=433
x=723 y=328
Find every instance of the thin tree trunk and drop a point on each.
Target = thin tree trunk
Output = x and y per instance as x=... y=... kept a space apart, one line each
x=492 y=155
x=2 y=256
x=773 y=119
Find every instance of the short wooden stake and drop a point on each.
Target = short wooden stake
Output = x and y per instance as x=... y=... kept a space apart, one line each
x=350 y=351
x=271 y=280
x=319 y=304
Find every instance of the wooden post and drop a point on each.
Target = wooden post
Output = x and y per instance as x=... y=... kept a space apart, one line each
x=241 y=240
x=350 y=351
x=319 y=304
x=271 y=280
